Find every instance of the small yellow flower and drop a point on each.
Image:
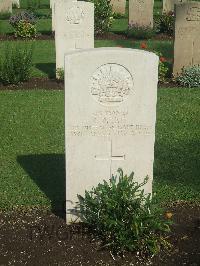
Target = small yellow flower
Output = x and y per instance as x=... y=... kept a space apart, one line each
x=168 y=215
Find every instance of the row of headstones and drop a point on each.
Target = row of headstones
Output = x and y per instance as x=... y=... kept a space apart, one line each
x=74 y=29
x=6 y=5
x=119 y=6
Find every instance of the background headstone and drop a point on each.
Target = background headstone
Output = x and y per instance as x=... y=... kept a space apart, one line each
x=110 y=116
x=6 y=6
x=141 y=13
x=168 y=5
x=74 y=28
x=118 y=6
x=16 y=3
x=53 y=10
x=187 y=36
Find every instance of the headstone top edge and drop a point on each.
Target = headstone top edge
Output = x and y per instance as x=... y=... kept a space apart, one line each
x=114 y=49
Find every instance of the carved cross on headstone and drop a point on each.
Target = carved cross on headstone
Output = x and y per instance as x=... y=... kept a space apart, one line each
x=110 y=157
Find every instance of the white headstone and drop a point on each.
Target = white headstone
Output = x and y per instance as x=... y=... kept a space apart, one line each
x=168 y=5
x=118 y=6
x=5 y=6
x=187 y=36
x=141 y=13
x=110 y=116
x=74 y=28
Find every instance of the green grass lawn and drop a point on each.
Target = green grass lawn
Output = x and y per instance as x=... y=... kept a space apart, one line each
x=44 y=52
x=32 y=147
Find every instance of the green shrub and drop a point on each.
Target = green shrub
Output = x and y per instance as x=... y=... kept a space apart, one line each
x=190 y=77
x=16 y=63
x=25 y=30
x=60 y=74
x=138 y=32
x=102 y=16
x=24 y=24
x=123 y=217
x=165 y=23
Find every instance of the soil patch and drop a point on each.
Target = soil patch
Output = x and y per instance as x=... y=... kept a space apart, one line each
x=36 y=84
x=106 y=36
x=38 y=237
x=11 y=37
x=53 y=84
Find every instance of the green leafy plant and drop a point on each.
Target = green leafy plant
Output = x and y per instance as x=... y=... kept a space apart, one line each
x=103 y=16
x=165 y=23
x=60 y=73
x=190 y=77
x=138 y=32
x=16 y=63
x=25 y=30
x=123 y=217
x=24 y=24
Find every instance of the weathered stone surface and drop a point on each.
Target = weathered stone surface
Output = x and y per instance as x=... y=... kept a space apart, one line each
x=74 y=28
x=187 y=36
x=141 y=13
x=168 y=5
x=6 y=6
x=110 y=116
x=119 y=6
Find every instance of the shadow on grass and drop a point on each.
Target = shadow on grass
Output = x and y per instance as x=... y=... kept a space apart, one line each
x=46 y=32
x=48 y=172
x=47 y=68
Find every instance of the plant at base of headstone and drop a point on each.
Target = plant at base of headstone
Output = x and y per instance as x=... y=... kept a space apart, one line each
x=165 y=23
x=103 y=16
x=123 y=217
x=138 y=32
x=190 y=77
x=16 y=63
x=60 y=74
x=24 y=24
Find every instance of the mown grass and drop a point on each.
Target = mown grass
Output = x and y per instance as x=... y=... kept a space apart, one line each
x=44 y=52
x=32 y=147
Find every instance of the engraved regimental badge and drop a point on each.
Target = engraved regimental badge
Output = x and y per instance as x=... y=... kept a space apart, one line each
x=111 y=84
x=75 y=15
